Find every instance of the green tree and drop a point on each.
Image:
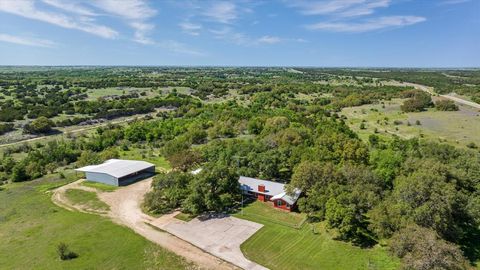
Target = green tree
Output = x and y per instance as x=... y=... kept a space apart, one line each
x=422 y=248
x=88 y=158
x=39 y=125
x=19 y=173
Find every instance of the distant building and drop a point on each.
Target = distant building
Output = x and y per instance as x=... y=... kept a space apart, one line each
x=265 y=190
x=118 y=172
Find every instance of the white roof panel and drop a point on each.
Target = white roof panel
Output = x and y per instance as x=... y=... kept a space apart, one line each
x=117 y=167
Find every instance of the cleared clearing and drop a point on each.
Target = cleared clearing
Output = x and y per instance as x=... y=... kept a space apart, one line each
x=456 y=128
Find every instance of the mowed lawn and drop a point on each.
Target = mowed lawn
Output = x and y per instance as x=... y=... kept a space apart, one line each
x=278 y=246
x=31 y=227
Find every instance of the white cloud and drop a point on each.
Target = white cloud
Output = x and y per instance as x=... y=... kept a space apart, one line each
x=27 y=9
x=453 y=2
x=71 y=7
x=269 y=40
x=135 y=12
x=141 y=32
x=191 y=28
x=178 y=47
x=342 y=8
x=129 y=9
x=368 y=25
x=28 y=41
x=353 y=15
x=222 y=12
x=228 y=34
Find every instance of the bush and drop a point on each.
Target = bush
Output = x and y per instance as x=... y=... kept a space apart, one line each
x=64 y=253
x=446 y=105
x=397 y=122
x=418 y=102
x=472 y=145
x=5 y=127
x=39 y=126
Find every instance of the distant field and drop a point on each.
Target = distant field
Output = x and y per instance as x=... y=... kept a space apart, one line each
x=456 y=128
x=31 y=227
x=282 y=247
x=118 y=91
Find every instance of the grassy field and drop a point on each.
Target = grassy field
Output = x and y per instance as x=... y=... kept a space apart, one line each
x=266 y=212
x=282 y=247
x=31 y=227
x=110 y=91
x=147 y=155
x=86 y=198
x=456 y=128
x=99 y=186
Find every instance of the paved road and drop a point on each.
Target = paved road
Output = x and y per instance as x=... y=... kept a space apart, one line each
x=462 y=101
x=431 y=91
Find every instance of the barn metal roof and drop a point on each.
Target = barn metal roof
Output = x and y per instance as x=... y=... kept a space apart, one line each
x=274 y=189
x=117 y=167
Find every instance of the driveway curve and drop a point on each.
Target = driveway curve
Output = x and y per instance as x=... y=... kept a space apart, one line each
x=125 y=209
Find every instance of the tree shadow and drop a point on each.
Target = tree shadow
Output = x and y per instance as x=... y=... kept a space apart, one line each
x=470 y=244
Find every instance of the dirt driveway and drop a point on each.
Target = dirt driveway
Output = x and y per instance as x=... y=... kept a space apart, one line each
x=125 y=209
x=220 y=236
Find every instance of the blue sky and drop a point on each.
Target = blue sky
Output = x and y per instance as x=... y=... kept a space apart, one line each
x=357 y=33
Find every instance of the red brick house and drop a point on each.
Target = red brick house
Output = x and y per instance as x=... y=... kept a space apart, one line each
x=265 y=191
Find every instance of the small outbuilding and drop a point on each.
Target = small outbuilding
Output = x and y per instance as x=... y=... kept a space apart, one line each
x=264 y=190
x=118 y=172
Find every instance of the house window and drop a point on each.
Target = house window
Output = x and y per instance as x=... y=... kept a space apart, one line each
x=288 y=205
x=279 y=203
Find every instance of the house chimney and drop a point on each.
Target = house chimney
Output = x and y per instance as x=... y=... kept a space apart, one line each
x=261 y=188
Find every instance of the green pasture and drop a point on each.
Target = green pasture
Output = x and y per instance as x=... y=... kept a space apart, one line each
x=456 y=128
x=312 y=246
x=31 y=227
x=87 y=199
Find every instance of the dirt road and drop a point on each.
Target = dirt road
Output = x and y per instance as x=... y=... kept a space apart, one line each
x=125 y=209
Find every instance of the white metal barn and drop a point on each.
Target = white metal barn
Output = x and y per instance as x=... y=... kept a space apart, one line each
x=118 y=172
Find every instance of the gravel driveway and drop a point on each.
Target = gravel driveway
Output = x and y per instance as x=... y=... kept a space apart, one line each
x=125 y=209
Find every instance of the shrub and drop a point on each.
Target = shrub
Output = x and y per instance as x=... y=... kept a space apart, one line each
x=446 y=105
x=417 y=102
x=472 y=145
x=397 y=122
x=64 y=253
x=39 y=126
x=5 y=127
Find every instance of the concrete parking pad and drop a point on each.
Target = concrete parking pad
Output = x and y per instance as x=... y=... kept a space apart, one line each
x=220 y=236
